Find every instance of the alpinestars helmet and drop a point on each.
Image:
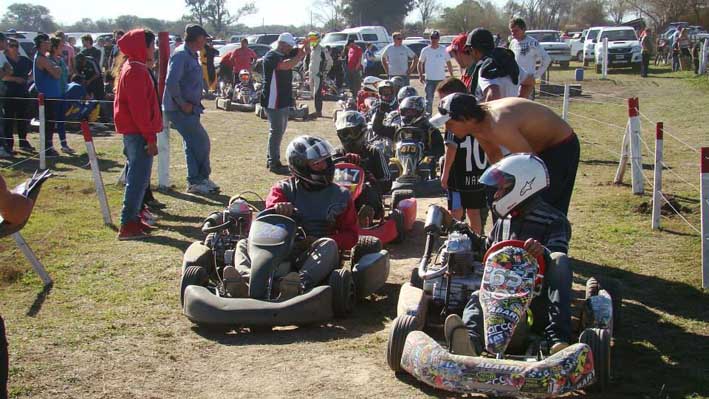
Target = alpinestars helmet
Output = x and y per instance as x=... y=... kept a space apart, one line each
x=514 y=180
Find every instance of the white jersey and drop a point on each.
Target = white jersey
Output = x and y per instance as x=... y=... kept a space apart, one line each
x=505 y=85
x=527 y=53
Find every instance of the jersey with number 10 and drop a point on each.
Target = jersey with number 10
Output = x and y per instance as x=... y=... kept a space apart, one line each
x=470 y=162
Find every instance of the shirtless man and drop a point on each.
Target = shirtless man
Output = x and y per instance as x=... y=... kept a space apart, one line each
x=516 y=125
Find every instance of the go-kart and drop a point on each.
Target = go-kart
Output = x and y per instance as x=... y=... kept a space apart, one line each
x=238 y=98
x=295 y=112
x=271 y=240
x=410 y=168
x=402 y=213
x=515 y=360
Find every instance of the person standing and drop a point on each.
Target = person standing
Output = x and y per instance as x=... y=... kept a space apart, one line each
x=5 y=71
x=87 y=41
x=684 y=44
x=46 y=79
x=395 y=59
x=319 y=63
x=277 y=97
x=647 y=44
x=57 y=58
x=369 y=60
x=17 y=88
x=432 y=67
x=67 y=51
x=528 y=51
x=183 y=107
x=354 y=67
x=242 y=57
x=138 y=118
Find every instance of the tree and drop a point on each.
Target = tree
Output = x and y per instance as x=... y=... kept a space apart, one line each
x=30 y=17
x=616 y=10
x=389 y=13
x=330 y=14
x=661 y=12
x=219 y=16
x=427 y=10
x=471 y=14
x=589 y=13
x=198 y=10
x=540 y=14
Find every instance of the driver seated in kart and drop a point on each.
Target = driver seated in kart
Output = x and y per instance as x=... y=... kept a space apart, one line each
x=517 y=181
x=351 y=129
x=384 y=118
x=325 y=211
x=245 y=86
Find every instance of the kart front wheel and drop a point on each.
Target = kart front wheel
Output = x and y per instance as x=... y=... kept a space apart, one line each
x=599 y=339
x=403 y=325
x=343 y=292
x=365 y=245
x=193 y=275
x=399 y=195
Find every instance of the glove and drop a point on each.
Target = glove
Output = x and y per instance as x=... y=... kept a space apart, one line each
x=352 y=158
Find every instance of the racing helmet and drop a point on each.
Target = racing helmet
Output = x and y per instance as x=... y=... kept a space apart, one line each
x=313 y=38
x=370 y=83
x=244 y=76
x=514 y=180
x=412 y=109
x=406 y=91
x=302 y=152
x=351 y=127
x=398 y=83
x=387 y=94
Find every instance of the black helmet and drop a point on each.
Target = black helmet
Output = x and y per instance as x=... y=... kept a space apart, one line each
x=302 y=152
x=406 y=91
x=398 y=82
x=351 y=127
x=412 y=109
x=387 y=92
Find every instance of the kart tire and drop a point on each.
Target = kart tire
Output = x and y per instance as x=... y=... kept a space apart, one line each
x=398 y=217
x=399 y=195
x=415 y=280
x=365 y=245
x=599 y=339
x=343 y=292
x=403 y=325
x=193 y=275
x=615 y=290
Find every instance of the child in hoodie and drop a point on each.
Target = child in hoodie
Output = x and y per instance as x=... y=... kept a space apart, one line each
x=138 y=118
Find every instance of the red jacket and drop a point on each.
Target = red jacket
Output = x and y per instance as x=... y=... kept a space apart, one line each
x=136 y=109
x=347 y=224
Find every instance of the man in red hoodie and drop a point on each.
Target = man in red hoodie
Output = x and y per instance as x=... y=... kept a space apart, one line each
x=137 y=117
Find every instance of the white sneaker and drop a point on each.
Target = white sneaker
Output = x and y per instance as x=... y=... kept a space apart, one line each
x=212 y=185
x=4 y=153
x=200 y=188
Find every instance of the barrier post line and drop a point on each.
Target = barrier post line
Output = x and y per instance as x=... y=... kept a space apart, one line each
x=620 y=172
x=636 y=157
x=605 y=58
x=42 y=133
x=656 y=194
x=565 y=108
x=163 y=138
x=36 y=264
x=96 y=172
x=704 y=188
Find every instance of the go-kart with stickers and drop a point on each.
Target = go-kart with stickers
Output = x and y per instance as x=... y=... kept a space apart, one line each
x=206 y=300
x=410 y=168
x=515 y=360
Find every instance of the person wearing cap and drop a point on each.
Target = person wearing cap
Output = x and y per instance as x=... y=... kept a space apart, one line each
x=432 y=67
x=528 y=52
x=319 y=63
x=17 y=83
x=354 y=66
x=182 y=102
x=517 y=125
x=395 y=58
x=47 y=75
x=277 y=97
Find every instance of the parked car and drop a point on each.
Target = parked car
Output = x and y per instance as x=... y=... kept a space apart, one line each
x=416 y=44
x=589 y=43
x=378 y=68
x=551 y=42
x=236 y=38
x=262 y=38
x=446 y=40
x=623 y=48
x=367 y=34
x=576 y=43
x=25 y=40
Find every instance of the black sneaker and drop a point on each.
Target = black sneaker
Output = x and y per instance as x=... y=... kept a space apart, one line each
x=27 y=147
x=51 y=153
x=279 y=169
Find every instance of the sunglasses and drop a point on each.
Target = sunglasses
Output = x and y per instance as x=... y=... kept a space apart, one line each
x=398 y=38
x=13 y=45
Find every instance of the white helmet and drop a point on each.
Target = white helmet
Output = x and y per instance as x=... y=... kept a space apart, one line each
x=370 y=83
x=515 y=179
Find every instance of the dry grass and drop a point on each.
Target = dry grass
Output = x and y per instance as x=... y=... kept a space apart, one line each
x=111 y=327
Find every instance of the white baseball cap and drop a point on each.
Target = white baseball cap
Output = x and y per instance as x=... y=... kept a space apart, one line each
x=287 y=38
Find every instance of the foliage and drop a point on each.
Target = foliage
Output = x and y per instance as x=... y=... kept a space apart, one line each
x=471 y=14
x=427 y=10
x=390 y=13
x=329 y=13
x=29 y=17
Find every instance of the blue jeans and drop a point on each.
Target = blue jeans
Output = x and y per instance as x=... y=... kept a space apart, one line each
x=196 y=144
x=137 y=176
x=277 y=123
x=430 y=92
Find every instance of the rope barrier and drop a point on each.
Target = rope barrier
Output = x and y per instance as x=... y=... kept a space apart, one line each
x=53 y=99
x=689 y=146
x=679 y=214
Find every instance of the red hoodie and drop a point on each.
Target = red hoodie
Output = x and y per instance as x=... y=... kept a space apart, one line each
x=136 y=109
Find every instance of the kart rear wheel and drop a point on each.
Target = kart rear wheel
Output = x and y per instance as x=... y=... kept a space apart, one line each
x=614 y=289
x=399 y=195
x=599 y=339
x=193 y=275
x=365 y=245
x=398 y=217
x=343 y=292
x=403 y=325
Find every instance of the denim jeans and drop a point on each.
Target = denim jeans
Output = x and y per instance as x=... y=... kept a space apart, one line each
x=551 y=309
x=277 y=123
x=430 y=92
x=196 y=144
x=137 y=176
x=645 y=64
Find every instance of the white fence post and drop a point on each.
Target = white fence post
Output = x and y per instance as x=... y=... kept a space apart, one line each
x=605 y=58
x=622 y=165
x=164 y=155
x=42 y=133
x=636 y=157
x=96 y=172
x=36 y=264
x=657 y=186
x=704 y=58
x=565 y=109
x=705 y=215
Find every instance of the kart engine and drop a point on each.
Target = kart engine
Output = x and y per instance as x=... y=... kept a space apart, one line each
x=226 y=228
x=464 y=272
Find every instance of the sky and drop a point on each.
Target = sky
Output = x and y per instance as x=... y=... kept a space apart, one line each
x=270 y=12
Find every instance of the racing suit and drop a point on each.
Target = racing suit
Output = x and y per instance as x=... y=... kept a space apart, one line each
x=328 y=215
x=387 y=125
x=552 y=308
x=378 y=179
x=319 y=63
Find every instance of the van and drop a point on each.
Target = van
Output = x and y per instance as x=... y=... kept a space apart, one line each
x=378 y=35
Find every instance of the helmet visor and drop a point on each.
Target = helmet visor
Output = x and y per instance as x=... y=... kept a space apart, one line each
x=386 y=92
x=499 y=182
x=409 y=112
x=319 y=151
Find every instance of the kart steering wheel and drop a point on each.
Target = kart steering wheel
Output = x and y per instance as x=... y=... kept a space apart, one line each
x=519 y=244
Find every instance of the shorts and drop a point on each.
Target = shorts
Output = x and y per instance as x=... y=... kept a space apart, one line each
x=466 y=199
x=562 y=162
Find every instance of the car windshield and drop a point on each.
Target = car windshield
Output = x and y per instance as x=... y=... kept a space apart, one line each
x=619 y=35
x=335 y=37
x=545 y=36
x=593 y=34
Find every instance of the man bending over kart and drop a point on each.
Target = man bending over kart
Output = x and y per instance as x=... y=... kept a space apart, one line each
x=517 y=181
x=514 y=125
x=324 y=210
x=351 y=128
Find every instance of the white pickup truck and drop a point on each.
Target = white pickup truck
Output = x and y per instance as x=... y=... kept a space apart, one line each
x=550 y=40
x=623 y=48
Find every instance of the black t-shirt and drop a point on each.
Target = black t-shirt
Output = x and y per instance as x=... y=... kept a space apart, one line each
x=21 y=69
x=91 y=69
x=277 y=84
x=92 y=52
x=470 y=162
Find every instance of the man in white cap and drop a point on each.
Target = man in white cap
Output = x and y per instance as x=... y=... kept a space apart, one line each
x=432 y=67
x=277 y=97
